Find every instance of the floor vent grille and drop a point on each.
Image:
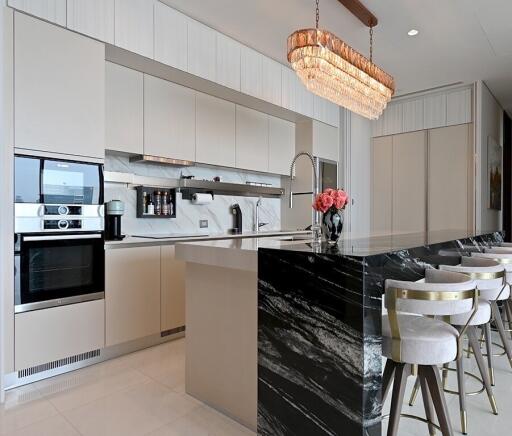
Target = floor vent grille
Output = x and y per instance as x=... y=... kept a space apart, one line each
x=58 y=363
x=172 y=331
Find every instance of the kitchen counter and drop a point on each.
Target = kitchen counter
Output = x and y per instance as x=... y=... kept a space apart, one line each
x=137 y=241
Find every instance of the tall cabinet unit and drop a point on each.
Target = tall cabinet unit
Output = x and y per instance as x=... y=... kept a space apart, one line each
x=382 y=185
x=59 y=89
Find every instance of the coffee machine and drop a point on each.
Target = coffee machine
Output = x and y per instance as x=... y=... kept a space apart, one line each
x=114 y=210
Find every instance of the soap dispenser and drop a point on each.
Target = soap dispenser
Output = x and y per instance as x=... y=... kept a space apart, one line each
x=237 y=219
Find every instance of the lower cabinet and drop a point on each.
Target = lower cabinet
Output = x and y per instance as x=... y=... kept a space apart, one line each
x=132 y=293
x=43 y=336
x=172 y=273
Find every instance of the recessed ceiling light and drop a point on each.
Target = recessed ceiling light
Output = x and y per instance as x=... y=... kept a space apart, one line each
x=413 y=32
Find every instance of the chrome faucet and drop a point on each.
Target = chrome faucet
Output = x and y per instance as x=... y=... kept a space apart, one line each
x=315 y=226
x=257 y=223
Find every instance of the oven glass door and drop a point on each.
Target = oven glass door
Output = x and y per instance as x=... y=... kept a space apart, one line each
x=66 y=182
x=59 y=269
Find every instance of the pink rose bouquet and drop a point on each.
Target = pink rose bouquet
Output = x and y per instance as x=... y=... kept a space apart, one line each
x=335 y=199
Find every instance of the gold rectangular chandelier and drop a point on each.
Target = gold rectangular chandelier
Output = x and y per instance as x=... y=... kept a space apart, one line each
x=333 y=70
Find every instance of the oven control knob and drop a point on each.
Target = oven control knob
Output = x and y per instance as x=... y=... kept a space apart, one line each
x=63 y=210
x=63 y=224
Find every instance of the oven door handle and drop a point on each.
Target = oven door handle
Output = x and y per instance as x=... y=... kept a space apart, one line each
x=60 y=237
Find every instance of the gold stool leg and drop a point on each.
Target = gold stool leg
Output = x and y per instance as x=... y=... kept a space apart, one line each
x=488 y=345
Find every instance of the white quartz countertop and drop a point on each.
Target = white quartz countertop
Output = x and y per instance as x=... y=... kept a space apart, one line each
x=231 y=253
x=135 y=241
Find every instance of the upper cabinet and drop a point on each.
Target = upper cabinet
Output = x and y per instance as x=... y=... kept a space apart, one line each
x=201 y=50
x=434 y=111
x=171 y=39
x=228 y=62
x=325 y=141
x=458 y=107
x=251 y=71
x=134 y=26
x=59 y=89
x=93 y=18
x=412 y=115
x=325 y=111
x=281 y=145
x=251 y=139
x=271 y=81
x=124 y=109
x=169 y=119
x=50 y=10
x=215 y=131
x=289 y=87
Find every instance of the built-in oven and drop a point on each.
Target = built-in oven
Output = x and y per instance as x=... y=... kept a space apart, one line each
x=58 y=269
x=59 y=244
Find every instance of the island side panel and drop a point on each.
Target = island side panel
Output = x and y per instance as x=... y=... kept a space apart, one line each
x=310 y=344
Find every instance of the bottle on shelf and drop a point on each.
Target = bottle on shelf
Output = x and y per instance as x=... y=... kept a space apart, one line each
x=145 y=202
x=151 y=206
x=158 y=203
x=165 y=203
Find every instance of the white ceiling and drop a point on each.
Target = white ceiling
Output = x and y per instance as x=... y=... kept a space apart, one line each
x=459 y=40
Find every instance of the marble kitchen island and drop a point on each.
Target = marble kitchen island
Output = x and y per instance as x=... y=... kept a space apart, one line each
x=285 y=336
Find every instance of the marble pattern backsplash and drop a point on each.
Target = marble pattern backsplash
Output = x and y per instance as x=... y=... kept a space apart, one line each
x=217 y=213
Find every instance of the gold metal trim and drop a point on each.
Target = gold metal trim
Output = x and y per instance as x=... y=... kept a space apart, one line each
x=485 y=275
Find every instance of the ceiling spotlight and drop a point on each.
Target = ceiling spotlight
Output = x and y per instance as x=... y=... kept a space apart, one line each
x=413 y=32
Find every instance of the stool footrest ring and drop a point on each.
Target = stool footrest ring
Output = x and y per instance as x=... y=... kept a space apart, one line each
x=417 y=418
x=478 y=379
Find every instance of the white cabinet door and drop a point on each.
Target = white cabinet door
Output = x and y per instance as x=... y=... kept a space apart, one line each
x=251 y=72
x=305 y=100
x=412 y=115
x=325 y=141
x=281 y=145
x=228 y=62
x=172 y=298
x=251 y=139
x=124 y=109
x=134 y=26
x=169 y=119
x=434 y=111
x=333 y=114
x=458 y=107
x=382 y=186
x=201 y=50
x=289 y=89
x=132 y=293
x=92 y=17
x=50 y=10
x=171 y=40
x=271 y=81
x=325 y=111
x=59 y=89
x=392 y=119
x=215 y=131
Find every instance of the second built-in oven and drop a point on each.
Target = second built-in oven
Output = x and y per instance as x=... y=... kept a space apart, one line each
x=58 y=269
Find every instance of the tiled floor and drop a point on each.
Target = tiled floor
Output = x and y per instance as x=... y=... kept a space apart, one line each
x=481 y=421
x=138 y=394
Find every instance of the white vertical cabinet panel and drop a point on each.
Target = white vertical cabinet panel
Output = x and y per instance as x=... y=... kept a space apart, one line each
x=458 y=107
x=228 y=61
x=325 y=111
x=382 y=185
x=251 y=139
x=134 y=26
x=378 y=126
x=409 y=182
x=412 y=115
x=169 y=119
x=333 y=114
x=271 y=81
x=215 y=131
x=172 y=271
x=50 y=10
x=201 y=50
x=94 y=18
x=325 y=141
x=124 y=102
x=281 y=145
x=171 y=39
x=59 y=89
x=392 y=119
x=289 y=88
x=132 y=294
x=305 y=100
x=251 y=71
x=434 y=111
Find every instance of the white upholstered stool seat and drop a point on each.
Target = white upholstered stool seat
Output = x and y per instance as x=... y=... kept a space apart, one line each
x=482 y=315
x=424 y=341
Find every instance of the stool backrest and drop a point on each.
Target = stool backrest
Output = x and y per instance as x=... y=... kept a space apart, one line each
x=488 y=274
x=501 y=255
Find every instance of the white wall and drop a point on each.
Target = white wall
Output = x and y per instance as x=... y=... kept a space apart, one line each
x=489 y=122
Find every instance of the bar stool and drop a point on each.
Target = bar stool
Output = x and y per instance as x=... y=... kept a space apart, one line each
x=415 y=344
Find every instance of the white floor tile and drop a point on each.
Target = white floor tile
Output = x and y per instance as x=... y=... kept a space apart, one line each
x=53 y=426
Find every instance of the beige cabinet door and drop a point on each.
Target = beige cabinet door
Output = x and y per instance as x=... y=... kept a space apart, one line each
x=281 y=145
x=228 y=62
x=134 y=26
x=171 y=42
x=59 y=89
x=409 y=182
x=325 y=141
x=382 y=185
x=50 y=10
x=172 y=310
x=201 y=55
x=450 y=179
x=124 y=109
x=251 y=72
x=169 y=119
x=132 y=293
x=215 y=131
x=92 y=17
x=251 y=139
x=271 y=80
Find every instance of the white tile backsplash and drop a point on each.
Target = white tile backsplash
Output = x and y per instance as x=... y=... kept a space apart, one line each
x=218 y=213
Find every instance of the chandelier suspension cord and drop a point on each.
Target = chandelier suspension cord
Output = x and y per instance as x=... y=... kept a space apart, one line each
x=371 y=44
x=317 y=13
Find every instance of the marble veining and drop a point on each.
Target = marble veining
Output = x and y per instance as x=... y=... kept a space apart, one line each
x=319 y=328
x=188 y=215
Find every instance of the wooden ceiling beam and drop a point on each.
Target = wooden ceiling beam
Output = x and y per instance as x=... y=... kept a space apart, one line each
x=361 y=12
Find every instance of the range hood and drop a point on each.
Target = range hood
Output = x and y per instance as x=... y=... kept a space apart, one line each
x=161 y=160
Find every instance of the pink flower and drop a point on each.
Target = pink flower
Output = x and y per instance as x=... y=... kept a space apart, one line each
x=330 y=198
